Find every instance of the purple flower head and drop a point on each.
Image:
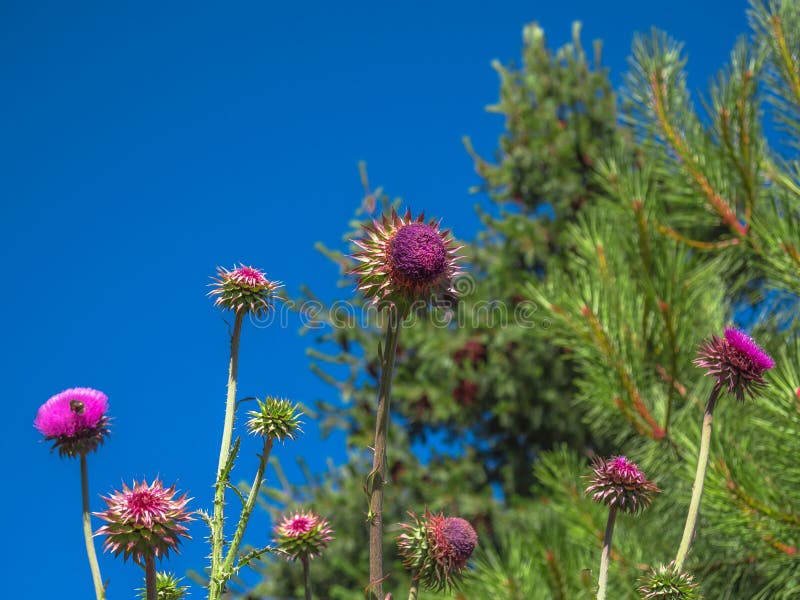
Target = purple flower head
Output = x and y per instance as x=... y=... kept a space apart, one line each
x=736 y=361
x=437 y=548
x=619 y=483
x=144 y=520
x=244 y=289
x=303 y=535
x=403 y=260
x=75 y=420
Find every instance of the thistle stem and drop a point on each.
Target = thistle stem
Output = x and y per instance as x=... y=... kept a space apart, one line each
x=699 y=480
x=605 y=557
x=375 y=480
x=99 y=590
x=413 y=591
x=247 y=509
x=217 y=580
x=150 y=577
x=306 y=576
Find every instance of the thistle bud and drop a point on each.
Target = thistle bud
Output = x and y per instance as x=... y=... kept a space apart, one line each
x=667 y=583
x=244 y=289
x=168 y=587
x=619 y=483
x=275 y=419
x=302 y=535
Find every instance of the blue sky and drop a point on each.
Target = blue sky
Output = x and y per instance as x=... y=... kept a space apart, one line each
x=142 y=144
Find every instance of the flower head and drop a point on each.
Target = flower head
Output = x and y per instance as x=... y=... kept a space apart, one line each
x=145 y=519
x=436 y=548
x=275 y=418
x=403 y=260
x=74 y=420
x=619 y=483
x=736 y=361
x=303 y=535
x=666 y=583
x=244 y=288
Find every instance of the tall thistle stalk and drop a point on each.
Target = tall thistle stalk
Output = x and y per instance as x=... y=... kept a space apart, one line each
x=404 y=263
x=738 y=364
x=245 y=291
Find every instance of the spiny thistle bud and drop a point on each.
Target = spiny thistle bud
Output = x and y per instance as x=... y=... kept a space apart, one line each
x=666 y=583
x=144 y=520
x=244 y=288
x=275 y=419
x=168 y=586
x=435 y=549
x=74 y=420
x=303 y=535
x=405 y=260
x=619 y=483
x=736 y=361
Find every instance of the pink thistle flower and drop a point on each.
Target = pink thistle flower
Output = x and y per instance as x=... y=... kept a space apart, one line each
x=736 y=361
x=244 y=288
x=144 y=520
x=303 y=535
x=619 y=483
x=436 y=549
x=75 y=420
x=404 y=259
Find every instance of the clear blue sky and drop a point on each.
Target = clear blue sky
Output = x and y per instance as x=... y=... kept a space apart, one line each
x=142 y=144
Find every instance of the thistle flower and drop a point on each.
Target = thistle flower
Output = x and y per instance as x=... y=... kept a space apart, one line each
x=144 y=520
x=74 y=420
x=620 y=484
x=405 y=259
x=275 y=418
x=168 y=586
x=435 y=548
x=736 y=361
x=244 y=288
x=665 y=582
x=303 y=535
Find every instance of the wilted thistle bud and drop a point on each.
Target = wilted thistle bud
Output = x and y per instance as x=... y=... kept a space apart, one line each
x=144 y=520
x=619 y=483
x=74 y=420
x=275 y=419
x=665 y=583
x=736 y=362
x=435 y=549
x=244 y=289
x=168 y=587
x=404 y=260
x=302 y=535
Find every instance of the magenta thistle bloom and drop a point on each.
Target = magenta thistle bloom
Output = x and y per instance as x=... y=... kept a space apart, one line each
x=736 y=361
x=303 y=535
x=74 y=420
x=436 y=549
x=244 y=288
x=145 y=519
x=404 y=259
x=619 y=483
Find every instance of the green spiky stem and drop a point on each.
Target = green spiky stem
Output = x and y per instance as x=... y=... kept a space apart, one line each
x=375 y=480
x=605 y=557
x=306 y=576
x=99 y=590
x=150 y=577
x=699 y=480
x=216 y=581
x=413 y=591
x=247 y=509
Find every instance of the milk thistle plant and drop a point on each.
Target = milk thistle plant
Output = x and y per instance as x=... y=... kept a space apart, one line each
x=404 y=264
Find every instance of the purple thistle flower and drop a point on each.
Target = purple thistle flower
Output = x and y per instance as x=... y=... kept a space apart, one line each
x=619 y=483
x=404 y=259
x=144 y=520
x=244 y=288
x=736 y=361
x=303 y=535
x=436 y=549
x=75 y=420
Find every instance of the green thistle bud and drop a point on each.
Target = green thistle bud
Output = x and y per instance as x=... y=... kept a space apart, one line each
x=275 y=418
x=666 y=583
x=168 y=586
x=244 y=289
